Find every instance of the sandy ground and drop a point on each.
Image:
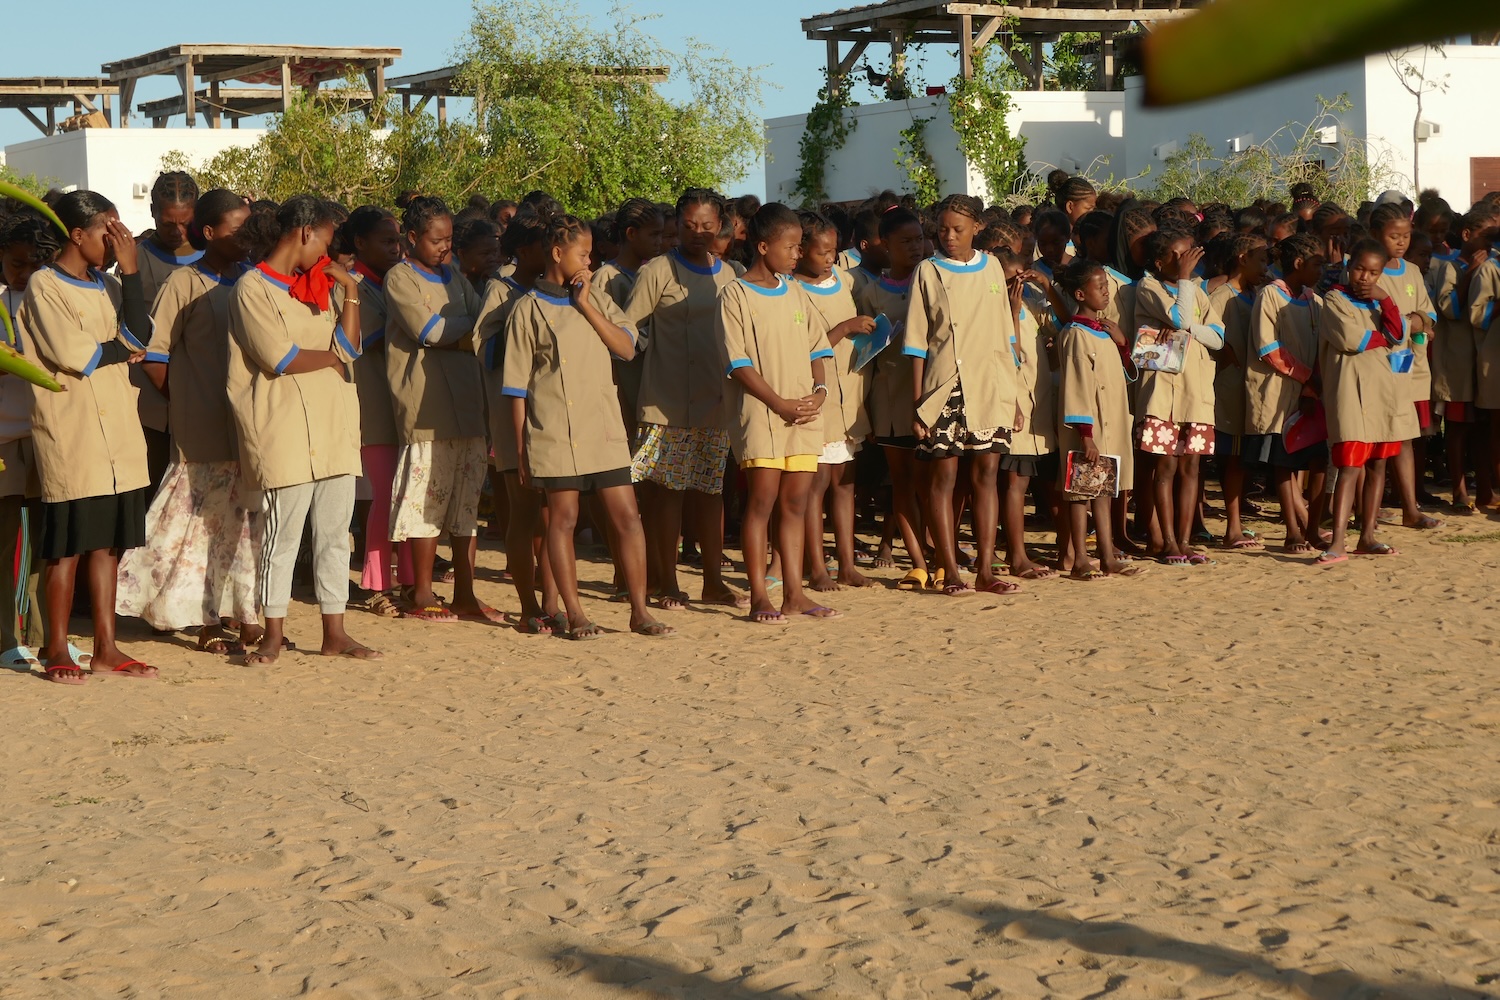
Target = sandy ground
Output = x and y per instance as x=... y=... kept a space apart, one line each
x=1256 y=779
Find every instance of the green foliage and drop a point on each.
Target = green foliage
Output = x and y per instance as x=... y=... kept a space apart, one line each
x=826 y=131
x=591 y=138
x=549 y=120
x=1347 y=173
x=28 y=183
x=1068 y=68
x=978 y=107
x=913 y=157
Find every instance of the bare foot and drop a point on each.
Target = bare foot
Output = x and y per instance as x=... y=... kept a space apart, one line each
x=726 y=597
x=351 y=649
x=852 y=578
x=824 y=584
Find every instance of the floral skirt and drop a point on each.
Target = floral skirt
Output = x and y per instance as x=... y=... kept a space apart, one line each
x=202 y=548
x=951 y=436
x=1155 y=436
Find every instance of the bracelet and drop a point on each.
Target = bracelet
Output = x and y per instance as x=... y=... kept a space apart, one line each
x=351 y=302
x=820 y=387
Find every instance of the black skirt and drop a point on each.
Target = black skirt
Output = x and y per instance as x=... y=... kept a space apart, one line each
x=591 y=483
x=73 y=527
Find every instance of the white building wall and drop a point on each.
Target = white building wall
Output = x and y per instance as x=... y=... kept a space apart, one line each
x=1061 y=129
x=1464 y=108
x=120 y=164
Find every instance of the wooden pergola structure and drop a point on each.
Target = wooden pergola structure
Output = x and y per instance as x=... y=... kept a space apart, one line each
x=441 y=84
x=39 y=98
x=972 y=26
x=274 y=73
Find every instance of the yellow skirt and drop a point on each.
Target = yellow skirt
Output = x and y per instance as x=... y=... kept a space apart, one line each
x=791 y=463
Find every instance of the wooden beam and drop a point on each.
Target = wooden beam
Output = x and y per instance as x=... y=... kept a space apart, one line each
x=163 y=67
x=245 y=71
x=442 y=110
x=109 y=118
x=1093 y=14
x=847 y=63
x=1106 y=61
x=286 y=85
x=41 y=126
x=215 y=106
x=375 y=76
x=987 y=32
x=189 y=92
x=966 y=46
x=863 y=15
x=1039 y=65
x=127 y=96
x=832 y=52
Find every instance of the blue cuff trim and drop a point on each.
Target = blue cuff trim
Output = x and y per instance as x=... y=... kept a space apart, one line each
x=135 y=345
x=343 y=339
x=1077 y=419
x=1489 y=316
x=1272 y=346
x=426 y=331
x=88 y=369
x=285 y=362
x=158 y=357
x=1175 y=315
x=1217 y=328
x=1365 y=341
x=822 y=352
x=914 y=352
x=515 y=393
x=736 y=364
x=492 y=353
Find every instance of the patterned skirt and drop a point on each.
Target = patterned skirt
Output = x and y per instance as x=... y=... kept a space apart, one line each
x=202 y=548
x=950 y=435
x=681 y=458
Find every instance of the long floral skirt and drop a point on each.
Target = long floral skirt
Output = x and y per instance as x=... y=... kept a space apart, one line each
x=203 y=538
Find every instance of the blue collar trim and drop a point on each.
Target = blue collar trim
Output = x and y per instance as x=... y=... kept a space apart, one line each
x=167 y=258
x=780 y=289
x=833 y=289
x=949 y=264
x=441 y=277
x=97 y=282
x=713 y=268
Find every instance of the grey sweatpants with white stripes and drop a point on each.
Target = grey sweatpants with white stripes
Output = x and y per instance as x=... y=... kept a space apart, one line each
x=330 y=502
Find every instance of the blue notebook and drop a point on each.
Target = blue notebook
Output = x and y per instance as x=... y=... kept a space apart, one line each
x=868 y=345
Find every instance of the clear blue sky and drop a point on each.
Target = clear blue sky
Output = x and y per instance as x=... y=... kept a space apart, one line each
x=762 y=33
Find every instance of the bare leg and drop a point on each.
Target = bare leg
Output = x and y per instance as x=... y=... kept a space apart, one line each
x=663 y=529
x=708 y=510
x=1186 y=500
x=562 y=508
x=1234 y=492
x=630 y=555
x=1369 y=508
x=940 y=520
x=842 y=488
x=791 y=531
x=1453 y=439
x=1163 y=477
x=763 y=486
x=983 y=471
x=817 y=566
x=521 y=525
x=905 y=470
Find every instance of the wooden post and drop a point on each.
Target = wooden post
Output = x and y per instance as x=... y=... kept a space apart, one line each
x=286 y=85
x=898 y=62
x=215 y=106
x=189 y=92
x=1107 y=60
x=51 y=120
x=405 y=103
x=109 y=118
x=833 y=59
x=1038 y=65
x=127 y=97
x=966 y=46
x=442 y=110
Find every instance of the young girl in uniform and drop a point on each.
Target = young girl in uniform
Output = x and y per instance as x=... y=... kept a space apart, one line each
x=1407 y=287
x=1454 y=352
x=1093 y=414
x=638 y=228
x=891 y=407
x=525 y=528
x=437 y=391
x=28 y=243
x=683 y=445
x=89 y=445
x=199 y=564
x=1033 y=447
x=846 y=423
x=1176 y=410
x=569 y=435
x=775 y=359
x=958 y=334
x=296 y=412
x=1280 y=380
x=1248 y=258
x=158 y=253
x=476 y=251
x=376 y=239
x=1368 y=407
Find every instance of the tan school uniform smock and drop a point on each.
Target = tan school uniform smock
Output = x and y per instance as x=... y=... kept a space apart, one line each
x=1452 y=353
x=555 y=360
x=616 y=282
x=844 y=414
x=500 y=299
x=1278 y=322
x=1093 y=391
x=437 y=388
x=1408 y=289
x=88 y=439
x=1034 y=385
x=681 y=381
x=19 y=475
x=372 y=380
x=959 y=321
x=1363 y=400
x=191 y=337
x=889 y=403
x=1229 y=379
x=1188 y=396
x=770 y=330
x=293 y=429
x=1483 y=307
x=155 y=266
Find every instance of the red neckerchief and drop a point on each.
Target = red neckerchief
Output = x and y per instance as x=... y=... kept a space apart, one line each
x=1092 y=324
x=360 y=268
x=311 y=286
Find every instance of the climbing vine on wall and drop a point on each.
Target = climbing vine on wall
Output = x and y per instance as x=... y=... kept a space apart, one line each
x=979 y=107
x=913 y=157
x=825 y=133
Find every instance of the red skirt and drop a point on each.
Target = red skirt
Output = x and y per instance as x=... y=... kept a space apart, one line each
x=1353 y=454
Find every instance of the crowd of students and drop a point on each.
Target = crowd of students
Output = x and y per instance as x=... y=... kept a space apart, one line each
x=247 y=375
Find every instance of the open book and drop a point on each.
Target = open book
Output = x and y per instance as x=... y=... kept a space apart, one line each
x=1099 y=478
x=1160 y=350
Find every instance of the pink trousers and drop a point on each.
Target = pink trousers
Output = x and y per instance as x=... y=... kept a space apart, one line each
x=379 y=461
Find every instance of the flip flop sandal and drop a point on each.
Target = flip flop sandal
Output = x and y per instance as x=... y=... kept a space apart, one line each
x=673 y=602
x=1133 y=571
x=19 y=658
x=486 y=614
x=559 y=623
x=352 y=652
x=1427 y=524
x=914 y=580
x=1001 y=587
x=584 y=632
x=958 y=589
x=1089 y=576
x=826 y=614
x=124 y=670
x=1462 y=509
x=537 y=625
x=1199 y=559
x=1299 y=548
x=654 y=630
x=78 y=656
x=1037 y=573
x=437 y=614
x=1245 y=545
x=1174 y=560
x=1378 y=549
x=65 y=674
x=1328 y=560
x=383 y=606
